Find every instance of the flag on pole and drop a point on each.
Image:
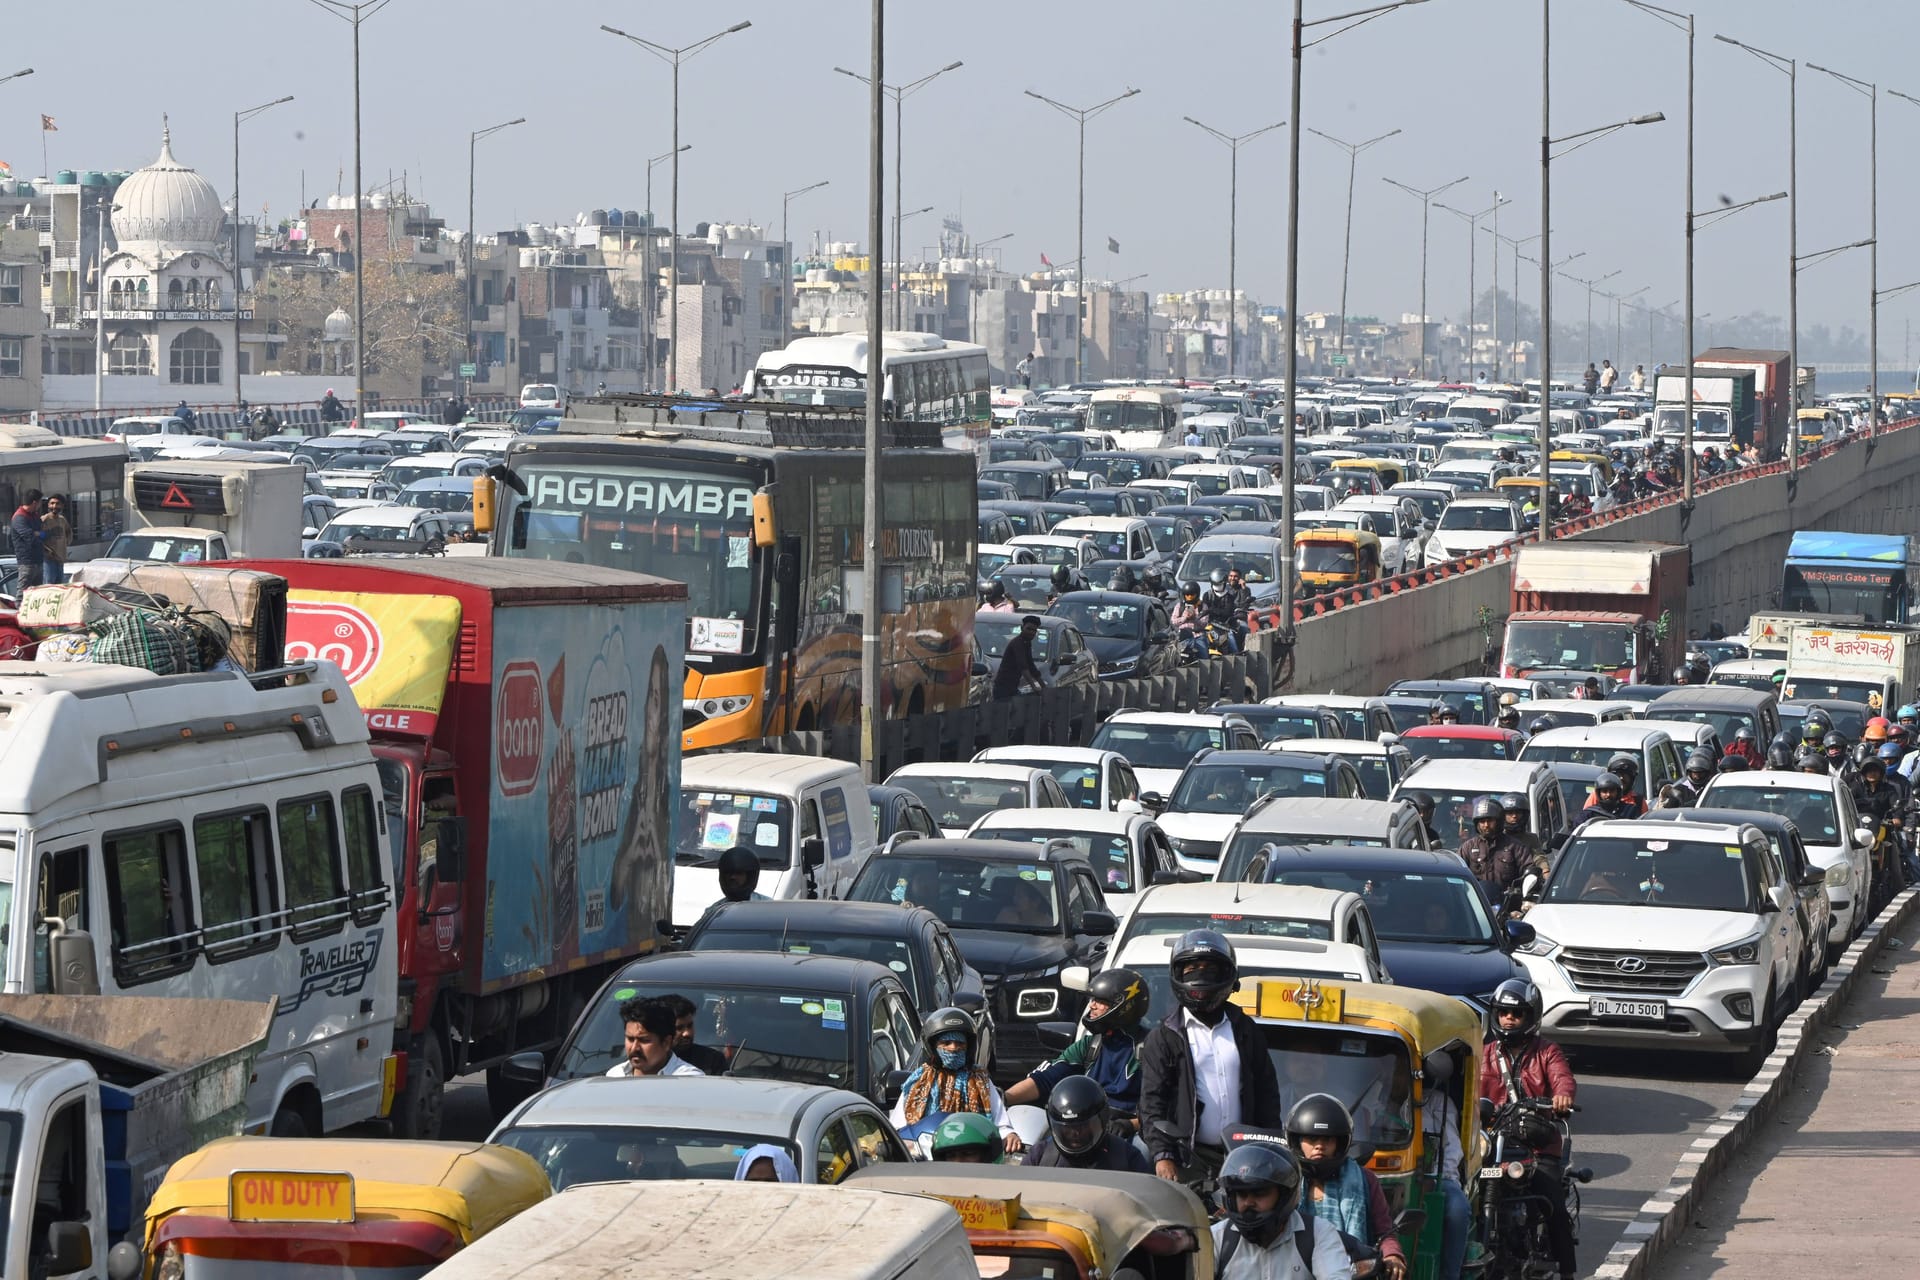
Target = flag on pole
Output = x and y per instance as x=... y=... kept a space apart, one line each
x=1113 y=246
x=47 y=125
x=1045 y=261
x=6 y=168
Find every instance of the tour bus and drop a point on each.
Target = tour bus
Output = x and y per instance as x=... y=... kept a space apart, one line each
x=928 y=379
x=1139 y=417
x=208 y=835
x=88 y=473
x=759 y=513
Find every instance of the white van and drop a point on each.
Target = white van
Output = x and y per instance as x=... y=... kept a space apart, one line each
x=743 y=1230
x=805 y=819
x=207 y=835
x=540 y=395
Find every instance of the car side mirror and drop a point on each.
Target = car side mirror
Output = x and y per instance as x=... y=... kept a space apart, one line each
x=75 y=970
x=1530 y=886
x=1099 y=924
x=813 y=853
x=1128 y=806
x=1056 y=1035
x=1520 y=933
x=1075 y=977
x=525 y=1068
x=972 y=1003
x=1153 y=801
x=1862 y=836
x=1436 y=1068
x=69 y=1247
x=895 y=1085
x=1813 y=878
x=125 y=1262
x=309 y=532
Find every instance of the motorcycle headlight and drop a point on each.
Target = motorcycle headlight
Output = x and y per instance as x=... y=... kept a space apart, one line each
x=1745 y=951
x=1541 y=945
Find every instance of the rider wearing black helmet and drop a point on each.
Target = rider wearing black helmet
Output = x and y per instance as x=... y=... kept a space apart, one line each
x=1513 y=807
x=1263 y=1231
x=1424 y=806
x=1062 y=582
x=1540 y=724
x=1509 y=717
x=1700 y=769
x=1341 y=1190
x=1606 y=802
x=1497 y=860
x=739 y=872
x=1519 y=1064
x=1783 y=748
x=1626 y=768
x=1808 y=760
x=1077 y=1133
x=1109 y=1052
x=1186 y=1113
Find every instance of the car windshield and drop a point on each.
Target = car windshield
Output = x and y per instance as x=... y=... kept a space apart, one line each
x=1157 y=746
x=1081 y=782
x=1371 y=1074
x=337 y=488
x=1106 y=502
x=1480 y=517
x=1106 y=619
x=1166 y=535
x=1653 y=873
x=1230 y=788
x=1443 y=747
x=1156 y=924
x=147 y=546
x=1054 y=553
x=1811 y=811
x=1864 y=692
x=574 y=1154
x=1127 y=415
x=1377 y=775
x=438 y=499
x=990 y=561
x=1453 y=812
x=1254 y=566
x=1580 y=753
x=1327 y=557
x=1410 y=906
x=1591 y=646
x=968 y=893
x=1030 y=592
x=1407 y=714
x=958 y=803
x=1431 y=504
x=1107 y=853
x=895 y=953
x=1119 y=470
x=1725 y=723
x=712 y=822
x=1574 y=793
x=1275 y=723
x=1032 y=485
x=768 y=1033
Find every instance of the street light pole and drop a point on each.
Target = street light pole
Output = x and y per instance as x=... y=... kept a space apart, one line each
x=1426 y=203
x=870 y=508
x=1081 y=115
x=1353 y=150
x=473 y=145
x=1620 y=301
x=786 y=199
x=1233 y=142
x=238 y=118
x=1873 y=233
x=674 y=57
x=1473 y=268
x=650 y=290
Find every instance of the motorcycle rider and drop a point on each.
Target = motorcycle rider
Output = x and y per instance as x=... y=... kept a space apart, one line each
x=1744 y=744
x=994 y=599
x=1424 y=806
x=1839 y=763
x=1109 y=1053
x=1607 y=800
x=1219 y=606
x=1205 y=1068
x=1700 y=769
x=948 y=1081
x=1731 y=763
x=1077 y=1132
x=1189 y=623
x=1509 y=717
x=1627 y=769
x=1783 y=748
x=1882 y=799
x=1497 y=860
x=1062 y=583
x=1263 y=1232
x=1341 y=1192
x=1449 y=714
x=1513 y=806
x=966 y=1137
x=1518 y=1063
x=1810 y=761
x=1540 y=724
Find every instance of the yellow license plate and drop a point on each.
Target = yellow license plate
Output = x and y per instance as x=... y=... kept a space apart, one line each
x=986 y=1213
x=1305 y=999
x=267 y=1196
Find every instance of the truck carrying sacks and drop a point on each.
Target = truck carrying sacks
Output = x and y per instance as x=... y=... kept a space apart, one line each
x=163 y=618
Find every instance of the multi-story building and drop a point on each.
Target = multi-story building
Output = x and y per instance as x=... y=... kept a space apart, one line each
x=20 y=320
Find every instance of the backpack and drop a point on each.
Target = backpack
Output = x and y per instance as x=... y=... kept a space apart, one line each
x=1302 y=1245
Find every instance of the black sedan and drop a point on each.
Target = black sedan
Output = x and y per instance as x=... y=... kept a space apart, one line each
x=1130 y=635
x=896 y=809
x=1020 y=913
x=1436 y=929
x=1059 y=650
x=810 y=1019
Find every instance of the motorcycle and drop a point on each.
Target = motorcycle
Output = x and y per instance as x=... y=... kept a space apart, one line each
x=1514 y=1238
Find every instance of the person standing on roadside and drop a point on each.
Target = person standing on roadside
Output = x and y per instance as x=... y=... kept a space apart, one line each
x=55 y=535
x=29 y=553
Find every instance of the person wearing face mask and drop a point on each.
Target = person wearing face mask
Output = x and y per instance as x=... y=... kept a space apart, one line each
x=948 y=1081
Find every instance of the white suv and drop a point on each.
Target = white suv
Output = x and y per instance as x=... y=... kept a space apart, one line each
x=1678 y=934
x=1159 y=744
x=1821 y=806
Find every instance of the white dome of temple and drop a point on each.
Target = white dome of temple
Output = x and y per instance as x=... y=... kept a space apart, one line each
x=167 y=209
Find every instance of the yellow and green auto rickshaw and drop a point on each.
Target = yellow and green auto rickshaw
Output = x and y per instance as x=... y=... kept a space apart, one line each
x=1330 y=557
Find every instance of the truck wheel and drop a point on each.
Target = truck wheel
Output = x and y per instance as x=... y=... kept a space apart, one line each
x=503 y=1095
x=418 y=1111
x=288 y=1122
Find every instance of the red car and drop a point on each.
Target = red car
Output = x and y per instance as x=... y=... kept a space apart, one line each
x=1463 y=742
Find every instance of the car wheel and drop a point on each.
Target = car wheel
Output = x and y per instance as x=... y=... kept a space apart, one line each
x=1755 y=1056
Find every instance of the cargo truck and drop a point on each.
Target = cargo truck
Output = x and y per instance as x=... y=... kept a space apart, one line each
x=1877 y=667
x=98 y=1095
x=1869 y=574
x=1767 y=632
x=190 y=512
x=1723 y=406
x=1613 y=608
x=525 y=718
x=1772 y=397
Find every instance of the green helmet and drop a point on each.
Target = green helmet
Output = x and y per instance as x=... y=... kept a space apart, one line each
x=968 y=1135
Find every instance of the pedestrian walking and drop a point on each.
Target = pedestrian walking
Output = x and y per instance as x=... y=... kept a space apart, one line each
x=25 y=530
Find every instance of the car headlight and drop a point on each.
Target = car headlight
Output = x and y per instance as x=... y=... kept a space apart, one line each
x=1745 y=951
x=1839 y=876
x=1038 y=1002
x=1541 y=945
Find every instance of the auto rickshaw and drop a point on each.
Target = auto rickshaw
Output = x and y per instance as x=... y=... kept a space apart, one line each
x=1390 y=470
x=1079 y=1223
x=1327 y=559
x=1381 y=1050
x=1599 y=460
x=325 y=1203
x=1525 y=489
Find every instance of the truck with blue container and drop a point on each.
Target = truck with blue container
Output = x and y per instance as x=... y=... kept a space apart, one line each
x=1870 y=575
x=525 y=717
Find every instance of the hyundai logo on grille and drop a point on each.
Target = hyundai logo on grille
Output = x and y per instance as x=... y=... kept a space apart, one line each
x=1630 y=964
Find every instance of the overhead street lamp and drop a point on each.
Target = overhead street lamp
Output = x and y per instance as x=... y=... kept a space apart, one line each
x=650 y=287
x=1426 y=205
x=899 y=94
x=1341 y=22
x=674 y=57
x=239 y=117
x=1620 y=301
x=1353 y=150
x=1473 y=270
x=786 y=198
x=24 y=71
x=1233 y=142
x=1791 y=69
x=1590 y=283
x=1873 y=233
x=473 y=146
x=1080 y=115
x=1547 y=143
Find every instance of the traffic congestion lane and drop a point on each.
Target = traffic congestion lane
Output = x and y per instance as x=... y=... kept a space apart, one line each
x=1632 y=1129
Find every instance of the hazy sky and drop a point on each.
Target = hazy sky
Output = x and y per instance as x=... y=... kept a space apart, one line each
x=764 y=112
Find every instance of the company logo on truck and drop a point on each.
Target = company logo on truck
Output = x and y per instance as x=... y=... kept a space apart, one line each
x=334 y=632
x=519 y=733
x=339 y=970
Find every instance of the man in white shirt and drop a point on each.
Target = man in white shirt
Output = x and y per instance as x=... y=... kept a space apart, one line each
x=1440 y=1119
x=1260 y=1237
x=649 y=1040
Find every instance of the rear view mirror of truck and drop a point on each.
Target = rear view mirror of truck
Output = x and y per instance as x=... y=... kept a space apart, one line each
x=75 y=970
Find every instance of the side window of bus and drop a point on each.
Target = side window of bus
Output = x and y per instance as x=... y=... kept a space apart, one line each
x=310 y=854
x=364 y=880
x=150 y=902
x=233 y=854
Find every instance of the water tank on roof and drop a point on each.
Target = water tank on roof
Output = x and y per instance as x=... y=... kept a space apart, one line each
x=378 y=200
x=598 y=218
x=66 y=177
x=536 y=233
x=633 y=218
x=529 y=258
x=93 y=178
